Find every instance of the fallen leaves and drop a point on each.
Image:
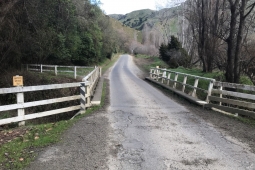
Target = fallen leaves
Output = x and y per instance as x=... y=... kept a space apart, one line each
x=8 y=136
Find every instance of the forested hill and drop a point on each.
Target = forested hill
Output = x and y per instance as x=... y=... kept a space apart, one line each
x=56 y=32
x=153 y=19
x=154 y=28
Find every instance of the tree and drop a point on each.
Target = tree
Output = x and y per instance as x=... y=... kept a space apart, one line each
x=239 y=11
x=55 y=32
x=203 y=17
x=174 y=54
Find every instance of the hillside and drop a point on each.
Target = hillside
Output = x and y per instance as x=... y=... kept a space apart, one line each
x=125 y=30
x=156 y=20
x=151 y=28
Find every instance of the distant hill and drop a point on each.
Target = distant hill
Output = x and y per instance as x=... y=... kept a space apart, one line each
x=149 y=28
x=153 y=19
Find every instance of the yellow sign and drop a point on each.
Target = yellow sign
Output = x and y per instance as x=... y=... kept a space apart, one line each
x=17 y=80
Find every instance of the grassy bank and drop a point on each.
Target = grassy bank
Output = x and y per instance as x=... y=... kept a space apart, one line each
x=146 y=62
x=109 y=62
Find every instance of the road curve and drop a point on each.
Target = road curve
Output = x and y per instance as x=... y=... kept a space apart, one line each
x=151 y=131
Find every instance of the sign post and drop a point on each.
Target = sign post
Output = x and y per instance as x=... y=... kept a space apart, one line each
x=18 y=81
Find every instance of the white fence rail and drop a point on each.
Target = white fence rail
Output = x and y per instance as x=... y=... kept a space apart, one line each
x=55 y=68
x=174 y=79
x=229 y=97
x=240 y=100
x=86 y=92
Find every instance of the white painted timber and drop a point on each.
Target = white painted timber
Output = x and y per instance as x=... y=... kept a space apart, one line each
x=38 y=115
x=204 y=78
x=235 y=86
x=90 y=84
x=38 y=65
x=38 y=88
x=234 y=94
x=38 y=103
x=242 y=102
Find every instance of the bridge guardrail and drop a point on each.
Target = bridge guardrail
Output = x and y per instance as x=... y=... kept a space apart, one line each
x=228 y=97
x=233 y=98
x=87 y=87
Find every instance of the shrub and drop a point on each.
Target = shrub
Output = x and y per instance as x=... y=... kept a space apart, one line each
x=174 y=54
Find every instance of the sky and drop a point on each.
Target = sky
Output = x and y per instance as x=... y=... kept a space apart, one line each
x=126 y=6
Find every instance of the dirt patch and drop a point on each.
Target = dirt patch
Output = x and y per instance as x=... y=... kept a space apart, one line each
x=8 y=136
x=228 y=126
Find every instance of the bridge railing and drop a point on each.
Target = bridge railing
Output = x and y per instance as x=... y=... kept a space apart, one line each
x=233 y=98
x=87 y=87
x=228 y=97
x=186 y=83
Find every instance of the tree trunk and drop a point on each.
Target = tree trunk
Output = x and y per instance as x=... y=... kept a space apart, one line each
x=231 y=44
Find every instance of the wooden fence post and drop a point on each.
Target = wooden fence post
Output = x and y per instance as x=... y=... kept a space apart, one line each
x=209 y=93
x=168 y=78
x=88 y=94
x=158 y=72
x=195 y=87
x=83 y=97
x=21 y=112
x=163 y=76
x=154 y=73
x=184 y=83
x=56 y=70
x=41 y=68
x=175 y=80
x=75 y=73
x=221 y=88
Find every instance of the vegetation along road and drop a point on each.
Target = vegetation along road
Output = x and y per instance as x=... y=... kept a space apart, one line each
x=142 y=128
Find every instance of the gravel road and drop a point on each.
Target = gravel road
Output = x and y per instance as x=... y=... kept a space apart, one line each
x=142 y=128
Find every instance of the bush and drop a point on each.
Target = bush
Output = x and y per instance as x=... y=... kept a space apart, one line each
x=173 y=54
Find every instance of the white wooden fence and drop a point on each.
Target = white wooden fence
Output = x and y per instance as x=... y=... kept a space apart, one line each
x=238 y=101
x=54 y=68
x=86 y=92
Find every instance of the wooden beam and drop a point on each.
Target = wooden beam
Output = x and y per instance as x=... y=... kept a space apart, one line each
x=234 y=94
x=233 y=102
x=38 y=103
x=38 y=115
x=232 y=110
x=235 y=86
x=38 y=88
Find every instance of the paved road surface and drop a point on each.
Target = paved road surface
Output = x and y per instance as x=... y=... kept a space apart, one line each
x=143 y=130
x=153 y=132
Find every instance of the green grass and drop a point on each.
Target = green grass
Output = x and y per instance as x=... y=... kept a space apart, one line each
x=80 y=72
x=153 y=62
x=18 y=153
x=109 y=63
x=245 y=120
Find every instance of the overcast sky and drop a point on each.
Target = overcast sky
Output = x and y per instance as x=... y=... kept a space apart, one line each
x=126 y=6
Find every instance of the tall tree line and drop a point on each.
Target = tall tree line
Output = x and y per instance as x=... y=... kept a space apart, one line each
x=219 y=29
x=54 y=32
